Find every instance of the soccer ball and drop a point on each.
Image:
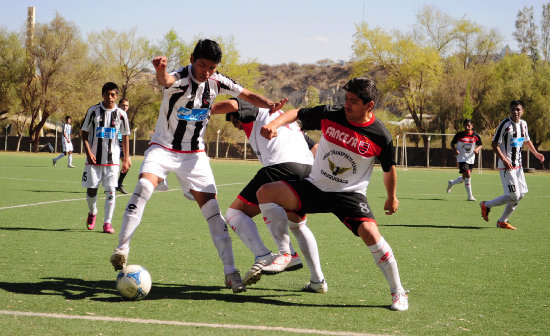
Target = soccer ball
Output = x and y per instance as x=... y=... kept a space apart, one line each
x=133 y=282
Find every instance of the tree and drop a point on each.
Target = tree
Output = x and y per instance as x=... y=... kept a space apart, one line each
x=526 y=32
x=466 y=32
x=312 y=96
x=12 y=71
x=467 y=108
x=436 y=27
x=545 y=32
x=175 y=49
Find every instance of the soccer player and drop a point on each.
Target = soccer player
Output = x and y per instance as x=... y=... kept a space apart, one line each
x=123 y=104
x=507 y=142
x=99 y=135
x=285 y=157
x=178 y=146
x=468 y=144
x=66 y=143
x=352 y=138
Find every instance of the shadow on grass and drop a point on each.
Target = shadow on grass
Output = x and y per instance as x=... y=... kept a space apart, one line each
x=442 y=226
x=105 y=291
x=36 y=229
x=59 y=191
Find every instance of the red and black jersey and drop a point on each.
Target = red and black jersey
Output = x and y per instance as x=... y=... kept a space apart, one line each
x=347 y=151
x=465 y=144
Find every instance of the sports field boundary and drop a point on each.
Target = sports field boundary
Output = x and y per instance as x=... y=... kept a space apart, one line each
x=183 y=323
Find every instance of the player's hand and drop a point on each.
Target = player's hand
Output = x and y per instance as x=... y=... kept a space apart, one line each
x=507 y=164
x=160 y=63
x=268 y=131
x=278 y=106
x=91 y=159
x=126 y=165
x=540 y=157
x=457 y=152
x=391 y=205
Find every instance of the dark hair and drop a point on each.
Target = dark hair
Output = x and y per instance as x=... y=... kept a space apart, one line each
x=108 y=87
x=467 y=121
x=209 y=50
x=516 y=102
x=67 y=117
x=363 y=87
x=123 y=100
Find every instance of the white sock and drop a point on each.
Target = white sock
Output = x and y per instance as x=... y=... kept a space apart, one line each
x=110 y=200
x=276 y=221
x=134 y=211
x=308 y=246
x=220 y=235
x=70 y=158
x=383 y=257
x=247 y=231
x=59 y=156
x=508 y=211
x=92 y=208
x=501 y=200
x=457 y=180
x=468 y=186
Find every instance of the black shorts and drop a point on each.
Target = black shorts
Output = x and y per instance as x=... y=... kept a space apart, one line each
x=278 y=172
x=464 y=167
x=351 y=208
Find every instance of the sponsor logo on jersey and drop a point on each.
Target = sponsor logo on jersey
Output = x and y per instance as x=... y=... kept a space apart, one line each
x=349 y=139
x=196 y=114
x=335 y=169
x=363 y=147
x=105 y=132
x=516 y=142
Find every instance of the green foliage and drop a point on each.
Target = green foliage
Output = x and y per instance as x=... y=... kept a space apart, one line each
x=312 y=96
x=467 y=108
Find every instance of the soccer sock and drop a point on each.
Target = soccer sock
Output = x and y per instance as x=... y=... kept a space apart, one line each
x=383 y=257
x=457 y=180
x=110 y=200
x=70 y=158
x=468 y=186
x=308 y=246
x=508 y=211
x=134 y=211
x=59 y=156
x=276 y=221
x=91 y=204
x=501 y=200
x=247 y=231
x=220 y=235
x=121 y=179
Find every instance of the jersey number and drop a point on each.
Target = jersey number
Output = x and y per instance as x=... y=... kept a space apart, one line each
x=84 y=177
x=512 y=188
x=364 y=207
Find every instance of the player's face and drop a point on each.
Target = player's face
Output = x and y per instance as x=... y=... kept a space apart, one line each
x=69 y=121
x=356 y=110
x=202 y=68
x=469 y=127
x=236 y=123
x=124 y=106
x=516 y=111
x=109 y=98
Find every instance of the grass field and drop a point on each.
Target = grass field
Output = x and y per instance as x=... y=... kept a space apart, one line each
x=464 y=275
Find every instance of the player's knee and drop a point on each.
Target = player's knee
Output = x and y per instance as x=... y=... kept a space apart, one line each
x=265 y=193
x=110 y=192
x=144 y=189
x=514 y=197
x=91 y=192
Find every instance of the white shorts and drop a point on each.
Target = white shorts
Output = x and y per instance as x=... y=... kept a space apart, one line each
x=67 y=146
x=93 y=174
x=513 y=181
x=192 y=169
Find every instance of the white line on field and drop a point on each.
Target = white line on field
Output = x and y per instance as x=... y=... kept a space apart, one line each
x=181 y=323
x=83 y=199
x=37 y=180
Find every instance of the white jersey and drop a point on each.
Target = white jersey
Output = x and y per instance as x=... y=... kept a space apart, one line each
x=466 y=143
x=66 y=129
x=288 y=146
x=185 y=110
x=102 y=126
x=510 y=137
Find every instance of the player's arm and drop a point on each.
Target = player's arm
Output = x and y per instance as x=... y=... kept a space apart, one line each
x=498 y=152
x=390 y=181
x=126 y=150
x=87 y=148
x=533 y=150
x=225 y=106
x=477 y=149
x=269 y=131
x=163 y=78
x=261 y=101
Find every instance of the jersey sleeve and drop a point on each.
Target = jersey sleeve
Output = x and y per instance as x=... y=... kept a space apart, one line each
x=387 y=154
x=87 y=124
x=478 y=142
x=311 y=117
x=455 y=139
x=228 y=86
x=124 y=123
x=526 y=137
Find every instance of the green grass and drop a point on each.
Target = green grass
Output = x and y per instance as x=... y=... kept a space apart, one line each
x=465 y=276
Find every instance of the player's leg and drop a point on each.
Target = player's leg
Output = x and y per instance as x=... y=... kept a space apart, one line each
x=110 y=174
x=458 y=180
x=91 y=177
x=54 y=161
x=511 y=193
x=121 y=178
x=467 y=177
x=70 y=159
x=239 y=218
x=520 y=191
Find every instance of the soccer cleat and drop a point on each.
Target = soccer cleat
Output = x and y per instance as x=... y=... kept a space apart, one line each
x=400 y=302
x=71 y=166
x=316 y=287
x=449 y=186
x=505 y=225
x=121 y=190
x=234 y=281
x=255 y=272
x=295 y=263
x=118 y=259
x=471 y=198
x=484 y=211
x=54 y=162
x=108 y=228
x=278 y=265
x=90 y=222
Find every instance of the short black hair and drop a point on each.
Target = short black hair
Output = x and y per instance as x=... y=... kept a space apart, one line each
x=363 y=87
x=209 y=50
x=123 y=100
x=108 y=87
x=67 y=117
x=467 y=121
x=517 y=102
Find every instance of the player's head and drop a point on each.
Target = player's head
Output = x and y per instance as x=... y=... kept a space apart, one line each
x=364 y=88
x=124 y=104
x=205 y=59
x=68 y=119
x=468 y=124
x=247 y=113
x=109 y=92
x=360 y=99
x=516 y=110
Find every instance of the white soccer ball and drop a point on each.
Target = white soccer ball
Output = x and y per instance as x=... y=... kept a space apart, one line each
x=133 y=282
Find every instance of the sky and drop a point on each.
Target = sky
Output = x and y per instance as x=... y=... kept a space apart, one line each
x=269 y=32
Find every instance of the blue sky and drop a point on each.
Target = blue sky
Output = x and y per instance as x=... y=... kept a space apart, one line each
x=271 y=32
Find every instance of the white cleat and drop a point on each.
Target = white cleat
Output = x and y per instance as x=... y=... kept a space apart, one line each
x=471 y=198
x=234 y=281
x=316 y=287
x=118 y=259
x=449 y=186
x=255 y=273
x=278 y=265
x=295 y=263
x=400 y=302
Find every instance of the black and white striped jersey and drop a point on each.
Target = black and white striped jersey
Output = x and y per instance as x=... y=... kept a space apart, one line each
x=66 y=128
x=510 y=137
x=102 y=126
x=185 y=110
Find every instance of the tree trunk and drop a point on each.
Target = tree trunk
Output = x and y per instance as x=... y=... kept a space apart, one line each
x=19 y=142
